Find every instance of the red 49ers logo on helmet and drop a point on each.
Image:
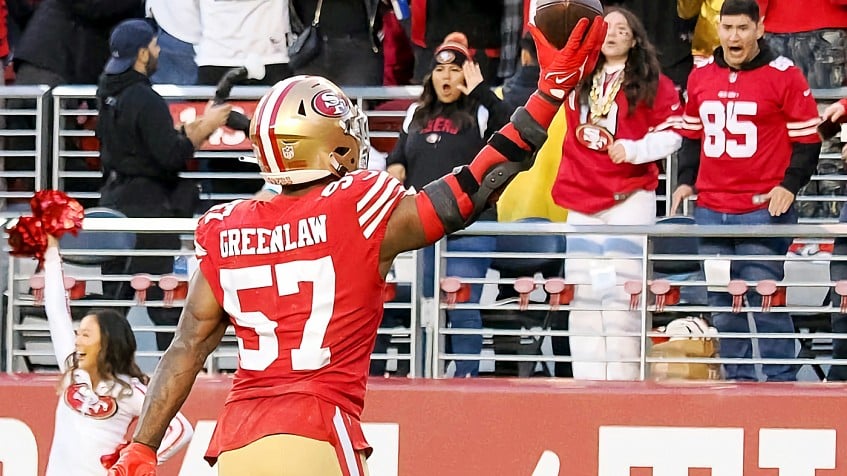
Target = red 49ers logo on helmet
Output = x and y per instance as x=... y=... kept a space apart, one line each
x=78 y=397
x=327 y=103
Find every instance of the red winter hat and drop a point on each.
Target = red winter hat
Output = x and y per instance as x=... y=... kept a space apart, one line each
x=454 y=50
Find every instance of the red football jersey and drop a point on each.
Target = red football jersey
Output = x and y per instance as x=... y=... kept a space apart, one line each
x=299 y=279
x=588 y=180
x=746 y=121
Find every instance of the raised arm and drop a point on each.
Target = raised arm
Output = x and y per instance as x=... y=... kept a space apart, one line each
x=456 y=200
x=56 y=305
x=199 y=332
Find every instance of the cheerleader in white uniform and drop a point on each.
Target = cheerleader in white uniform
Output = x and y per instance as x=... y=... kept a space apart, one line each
x=102 y=388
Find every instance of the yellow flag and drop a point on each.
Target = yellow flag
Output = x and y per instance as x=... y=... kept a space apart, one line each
x=529 y=195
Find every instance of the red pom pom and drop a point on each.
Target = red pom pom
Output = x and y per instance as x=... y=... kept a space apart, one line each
x=27 y=238
x=58 y=212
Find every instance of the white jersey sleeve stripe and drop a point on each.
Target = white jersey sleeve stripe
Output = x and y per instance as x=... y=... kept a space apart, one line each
x=199 y=251
x=669 y=123
x=375 y=206
x=399 y=192
x=375 y=188
x=804 y=124
x=692 y=119
x=809 y=131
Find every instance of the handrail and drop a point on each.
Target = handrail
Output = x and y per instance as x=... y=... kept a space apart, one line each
x=151 y=225
x=244 y=92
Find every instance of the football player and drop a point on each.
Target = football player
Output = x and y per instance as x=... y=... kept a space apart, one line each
x=751 y=143
x=298 y=276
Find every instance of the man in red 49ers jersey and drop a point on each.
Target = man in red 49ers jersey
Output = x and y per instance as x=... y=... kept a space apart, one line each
x=299 y=276
x=750 y=144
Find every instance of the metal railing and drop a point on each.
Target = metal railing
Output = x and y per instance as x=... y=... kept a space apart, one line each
x=425 y=336
x=24 y=137
x=72 y=169
x=75 y=167
x=26 y=339
x=69 y=172
x=647 y=309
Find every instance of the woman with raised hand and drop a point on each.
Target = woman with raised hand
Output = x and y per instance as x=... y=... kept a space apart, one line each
x=101 y=388
x=448 y=125
x=620 y=124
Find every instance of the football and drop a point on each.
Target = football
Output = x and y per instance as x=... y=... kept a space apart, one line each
x=557 y=18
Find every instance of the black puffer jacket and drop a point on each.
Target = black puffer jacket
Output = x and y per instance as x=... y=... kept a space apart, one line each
x=71 y=37
x=142 y=153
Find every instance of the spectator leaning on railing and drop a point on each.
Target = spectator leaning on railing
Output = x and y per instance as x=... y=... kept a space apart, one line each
x=143 y=153
x=751 y=143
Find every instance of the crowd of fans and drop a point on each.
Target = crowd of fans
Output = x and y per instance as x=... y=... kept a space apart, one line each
x=460 y=52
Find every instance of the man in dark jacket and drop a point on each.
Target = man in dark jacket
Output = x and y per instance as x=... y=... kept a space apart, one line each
x=65 y=40
x=142 y=154
x=518 y=88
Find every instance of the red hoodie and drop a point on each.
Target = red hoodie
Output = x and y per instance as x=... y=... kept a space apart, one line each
x=4 y=32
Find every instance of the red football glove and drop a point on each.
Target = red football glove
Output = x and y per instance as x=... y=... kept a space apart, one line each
x=136 y=460
x=562 y=70
x=109 y=460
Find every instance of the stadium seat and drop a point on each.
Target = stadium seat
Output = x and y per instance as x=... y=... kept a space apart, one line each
x=97 y=240
x=679 y=270
x=523 y=269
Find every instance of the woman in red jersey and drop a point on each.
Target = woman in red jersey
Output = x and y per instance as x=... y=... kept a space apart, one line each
x=619 y=125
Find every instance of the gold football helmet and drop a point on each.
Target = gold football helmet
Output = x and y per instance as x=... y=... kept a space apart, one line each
x=305 y=128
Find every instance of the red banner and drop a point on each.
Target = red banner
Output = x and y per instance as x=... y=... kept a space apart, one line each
x=526 y=427
x=222 y=139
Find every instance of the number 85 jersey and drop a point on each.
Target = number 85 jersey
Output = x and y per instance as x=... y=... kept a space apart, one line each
x=299 y=278
x=748 y=121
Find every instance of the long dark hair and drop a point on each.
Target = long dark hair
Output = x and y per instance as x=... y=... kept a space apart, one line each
x=461 y=112
x=641 y=73
x=117 y=350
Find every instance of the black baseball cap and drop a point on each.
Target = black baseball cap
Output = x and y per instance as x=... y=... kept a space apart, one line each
x=127 y=38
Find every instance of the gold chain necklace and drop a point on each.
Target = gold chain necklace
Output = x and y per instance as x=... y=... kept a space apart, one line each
x=600 y=103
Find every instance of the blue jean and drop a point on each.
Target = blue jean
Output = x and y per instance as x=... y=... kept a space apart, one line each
x=838 y=272
x=766 y=322
x=463 y=318
x=820 y=54
x=176 y=62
